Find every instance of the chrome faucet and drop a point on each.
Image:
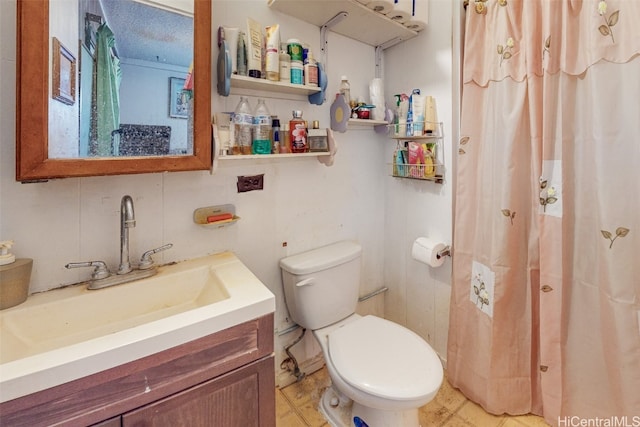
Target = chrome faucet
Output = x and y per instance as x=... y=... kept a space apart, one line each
x=101 y=276
x=127 y=221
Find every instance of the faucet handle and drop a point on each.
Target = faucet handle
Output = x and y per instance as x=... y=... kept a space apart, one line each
x=100 y=271
x=146 y=262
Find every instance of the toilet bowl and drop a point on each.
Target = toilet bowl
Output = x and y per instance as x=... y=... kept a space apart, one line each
x=381 y=372
x=385 y=369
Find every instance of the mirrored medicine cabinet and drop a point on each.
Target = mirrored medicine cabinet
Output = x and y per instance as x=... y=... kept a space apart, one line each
x=71 y=122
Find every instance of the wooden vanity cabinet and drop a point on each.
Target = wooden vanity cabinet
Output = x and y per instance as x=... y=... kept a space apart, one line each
x=224 y=379
x=235 y=399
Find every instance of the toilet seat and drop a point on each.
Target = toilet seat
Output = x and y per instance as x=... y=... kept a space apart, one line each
x=384 y=359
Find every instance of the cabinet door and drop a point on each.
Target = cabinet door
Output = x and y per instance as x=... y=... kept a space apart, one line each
x=242 y=398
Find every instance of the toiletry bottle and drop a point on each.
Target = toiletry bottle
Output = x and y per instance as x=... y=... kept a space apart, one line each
x=431 y=116
x=285 y=143
x=272 y=55
x=310 y=71
x=285 y=67
x=242 y=126
x=275 y=135
x=242 y=55
x=294 y=49
x=298 y=133
x=317 y=138
x=255 y=48
x=261 y=129
x=345 y=90
x=410 y=114
x=396 y=115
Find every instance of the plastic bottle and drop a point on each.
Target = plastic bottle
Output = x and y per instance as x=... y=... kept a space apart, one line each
x=310 y=71
x=242 y=126
x=298 y=133
x=261 y=129
x=285 y=67
x=242 y=55
x=410 y=112
x=275 y=135
x=294 y=49
x=396 y=115
x=345 y=89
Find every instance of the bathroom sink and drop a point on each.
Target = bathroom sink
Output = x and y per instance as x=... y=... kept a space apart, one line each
x=67 y=333
x=83 y=314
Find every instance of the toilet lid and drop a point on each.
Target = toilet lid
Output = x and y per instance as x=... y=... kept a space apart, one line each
x=385 y=359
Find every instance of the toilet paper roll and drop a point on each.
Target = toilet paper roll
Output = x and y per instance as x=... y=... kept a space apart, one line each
x=426 y=251
x=402 y=11
x=419 y=13
x=415 y=25
x=420 y=10
x=399 y=16
x=380 y=6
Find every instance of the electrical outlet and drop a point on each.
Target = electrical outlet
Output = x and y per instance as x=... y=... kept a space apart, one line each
x=250 y=183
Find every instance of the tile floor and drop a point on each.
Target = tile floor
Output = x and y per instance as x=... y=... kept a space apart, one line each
x=296 y=406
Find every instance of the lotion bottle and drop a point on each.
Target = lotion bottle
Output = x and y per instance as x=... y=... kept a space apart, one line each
x=310 y=71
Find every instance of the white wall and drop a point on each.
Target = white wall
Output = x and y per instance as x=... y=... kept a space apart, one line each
x=144 y=97
x=304 y=203
x=65 y=129
x=419 y=295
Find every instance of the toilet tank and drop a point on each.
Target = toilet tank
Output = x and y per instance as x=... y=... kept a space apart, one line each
x=321 y=286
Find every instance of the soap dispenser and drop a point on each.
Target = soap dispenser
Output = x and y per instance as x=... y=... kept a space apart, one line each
x=15 y=275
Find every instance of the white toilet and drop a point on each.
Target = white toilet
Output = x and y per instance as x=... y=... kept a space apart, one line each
x=381 y=372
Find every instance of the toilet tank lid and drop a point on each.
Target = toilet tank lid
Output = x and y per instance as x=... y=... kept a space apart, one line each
x=321 y=258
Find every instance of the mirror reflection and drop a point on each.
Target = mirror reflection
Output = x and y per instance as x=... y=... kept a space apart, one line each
x=135 y=87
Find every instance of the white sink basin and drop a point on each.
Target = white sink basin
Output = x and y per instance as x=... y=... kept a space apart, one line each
x=68 y=333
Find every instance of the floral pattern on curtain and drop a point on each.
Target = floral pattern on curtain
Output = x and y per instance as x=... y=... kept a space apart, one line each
x=547 y=220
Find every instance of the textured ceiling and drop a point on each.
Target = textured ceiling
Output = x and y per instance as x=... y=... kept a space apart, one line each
x=150 y=33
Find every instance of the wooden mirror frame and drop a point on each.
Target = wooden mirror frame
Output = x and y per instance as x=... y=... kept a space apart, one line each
x=32 y=101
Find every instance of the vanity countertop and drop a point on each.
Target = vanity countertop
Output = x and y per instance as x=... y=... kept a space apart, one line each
x=69 y=333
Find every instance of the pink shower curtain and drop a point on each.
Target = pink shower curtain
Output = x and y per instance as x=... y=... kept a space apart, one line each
x=545 y=307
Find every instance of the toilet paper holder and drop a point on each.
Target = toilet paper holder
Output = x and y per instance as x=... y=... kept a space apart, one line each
x=446 y=251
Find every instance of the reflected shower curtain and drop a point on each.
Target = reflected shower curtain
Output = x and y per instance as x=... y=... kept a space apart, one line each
x=545 y=306
x=108 y=76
